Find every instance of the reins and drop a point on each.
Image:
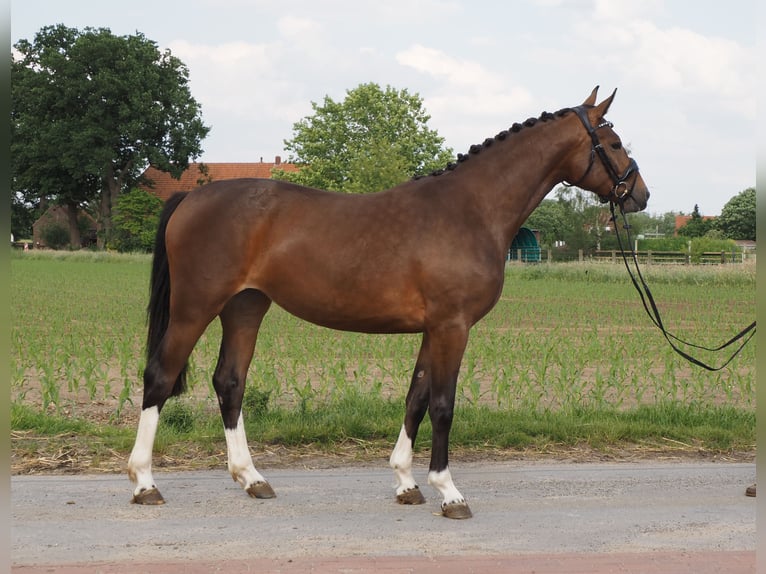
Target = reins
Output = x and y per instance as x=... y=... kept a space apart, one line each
x=620 y=192
x=654 y=314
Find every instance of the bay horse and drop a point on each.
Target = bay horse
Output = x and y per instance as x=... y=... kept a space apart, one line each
x=426 y=256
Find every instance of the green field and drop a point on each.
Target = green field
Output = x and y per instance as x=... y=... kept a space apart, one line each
x=566 y=357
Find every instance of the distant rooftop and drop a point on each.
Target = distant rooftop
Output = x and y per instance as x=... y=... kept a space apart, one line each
x=163 y=185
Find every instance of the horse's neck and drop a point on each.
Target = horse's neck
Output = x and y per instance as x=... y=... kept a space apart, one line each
x=509 y=179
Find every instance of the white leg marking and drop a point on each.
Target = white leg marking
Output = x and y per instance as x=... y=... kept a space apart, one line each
x=442 y=481
x=140 y=461
x=401 y=462
x=241 y=464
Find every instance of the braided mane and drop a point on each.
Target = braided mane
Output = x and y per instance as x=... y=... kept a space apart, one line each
x=477 y=148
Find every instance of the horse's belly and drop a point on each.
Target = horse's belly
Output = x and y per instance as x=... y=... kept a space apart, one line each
x=364 y=316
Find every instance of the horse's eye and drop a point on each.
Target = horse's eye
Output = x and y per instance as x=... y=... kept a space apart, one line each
x=617 y=145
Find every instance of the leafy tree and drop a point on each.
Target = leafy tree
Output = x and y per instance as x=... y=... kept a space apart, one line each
x=587 y=218
x=666 y=223
x=89 y=111
x=23 y=215
x=374 y=139
x=646 y=223
x=552 y=220
x=737 y=219
x=696 y=226
x=136 y=218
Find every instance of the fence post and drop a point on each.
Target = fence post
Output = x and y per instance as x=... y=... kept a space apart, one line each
x=579 y=255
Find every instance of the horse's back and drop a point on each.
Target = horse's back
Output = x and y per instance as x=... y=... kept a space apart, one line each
x=354 y=262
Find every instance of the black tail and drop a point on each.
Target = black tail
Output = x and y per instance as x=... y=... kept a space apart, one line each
x=158 y=310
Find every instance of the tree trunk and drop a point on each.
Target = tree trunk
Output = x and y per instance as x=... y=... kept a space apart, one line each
x=72 y=211
x=110 y=189
x=103 y=225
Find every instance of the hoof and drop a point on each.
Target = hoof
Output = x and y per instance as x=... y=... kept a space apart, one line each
x=261 y=490
x=411 y=496
x=149 y=497
x=456 y=510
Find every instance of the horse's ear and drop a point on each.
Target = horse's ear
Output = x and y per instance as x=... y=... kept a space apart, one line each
x=591 y=100
x=603 y=107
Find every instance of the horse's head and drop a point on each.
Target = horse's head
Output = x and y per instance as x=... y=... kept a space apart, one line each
x=603 y=166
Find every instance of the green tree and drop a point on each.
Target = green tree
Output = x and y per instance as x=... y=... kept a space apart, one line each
x=136 y=218
x=588 y=219
x=666 y=223
x=89 y=111
x=23 y=215
x=551 y=219
x=697 y=226
x=737 y=219
x=374 y=139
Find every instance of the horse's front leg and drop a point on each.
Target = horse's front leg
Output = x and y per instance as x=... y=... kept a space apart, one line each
x=240 y=462
x=447 y=347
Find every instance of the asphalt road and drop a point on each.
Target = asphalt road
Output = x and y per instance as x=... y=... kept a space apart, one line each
x=520 y=508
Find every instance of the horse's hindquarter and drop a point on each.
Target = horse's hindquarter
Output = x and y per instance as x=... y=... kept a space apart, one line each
x=384 y=262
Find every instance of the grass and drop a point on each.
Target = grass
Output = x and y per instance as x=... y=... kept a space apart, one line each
x=567 y=359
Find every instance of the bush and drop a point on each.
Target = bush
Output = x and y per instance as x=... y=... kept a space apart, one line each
x=136 y=218
x=55 y=236
x=664 y=244
x=702 y=245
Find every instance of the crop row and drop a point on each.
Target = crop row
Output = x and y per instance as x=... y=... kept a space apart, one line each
x=562 y=336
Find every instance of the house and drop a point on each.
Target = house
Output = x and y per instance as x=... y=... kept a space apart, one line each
x=163 y=185
x=56 y=217
x=682 y=220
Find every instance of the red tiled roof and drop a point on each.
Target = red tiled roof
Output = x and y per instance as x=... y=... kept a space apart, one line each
x=682 y=220
x=163 y=185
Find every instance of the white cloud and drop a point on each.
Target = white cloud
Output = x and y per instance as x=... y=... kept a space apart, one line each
x=673 y=59
x=464 y=97
x=687 y=61
x=621 y=11
x=466 y=85
x=455 y=71
x=227 y=56
x=241 y=80
x=298 y=29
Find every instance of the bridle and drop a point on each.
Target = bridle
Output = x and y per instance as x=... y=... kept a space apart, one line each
x=620 y=190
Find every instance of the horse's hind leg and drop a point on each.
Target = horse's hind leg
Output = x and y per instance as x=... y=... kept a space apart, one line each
x=407 y=491
x=160 y=376
x=240 y=320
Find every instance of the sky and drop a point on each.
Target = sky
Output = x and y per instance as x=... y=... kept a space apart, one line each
x=684 y=71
